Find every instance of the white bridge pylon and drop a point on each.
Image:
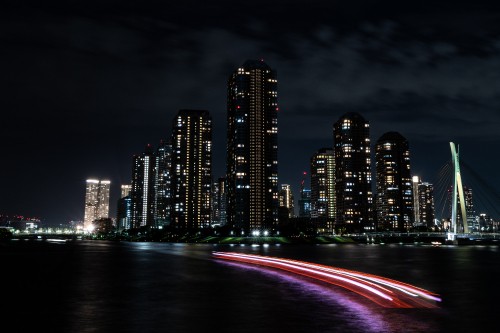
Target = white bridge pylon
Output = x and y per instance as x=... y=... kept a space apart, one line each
x=458 y=193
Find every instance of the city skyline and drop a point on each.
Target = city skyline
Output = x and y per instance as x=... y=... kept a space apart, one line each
x=89 y=87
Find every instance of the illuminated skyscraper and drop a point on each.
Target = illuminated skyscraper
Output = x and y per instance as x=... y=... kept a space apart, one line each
x=219 y=200
x=124 y=209
x=143 y=188
x=103 y=199
x=191 y=169
x=163 y=195
x=91 y=199
x=125 y=190
x=423 y=203
x=252 y=148
x=353 y=178
x=394 y=203
x=469 y=209
x=96 y=201
x=305 y=203
x=323 y=188
x=124 y=213
x=286 y=200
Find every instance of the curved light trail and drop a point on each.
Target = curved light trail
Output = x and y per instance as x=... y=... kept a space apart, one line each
x=383 y=291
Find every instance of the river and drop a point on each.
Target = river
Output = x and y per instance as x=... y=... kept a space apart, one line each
x=105 y=286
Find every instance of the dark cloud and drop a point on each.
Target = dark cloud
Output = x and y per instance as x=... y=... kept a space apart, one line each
x=88 y=84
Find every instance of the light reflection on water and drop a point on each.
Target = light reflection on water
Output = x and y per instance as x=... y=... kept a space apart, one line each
x=157 y=287
x=348 y=312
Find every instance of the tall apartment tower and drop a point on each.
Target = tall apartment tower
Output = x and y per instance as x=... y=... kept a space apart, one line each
x=124 y=209
x=423 y=203
x=323 y=188
x=353 y=177
x=252 y=148
x=219 y=200
x=469 y=209
x=125 y=190
x=163 y=195
x=394 y=198
x=96 y=201
x=103 y=199
x=191 y=169
x=305 y=203
x=143 y=188
x=286 y=201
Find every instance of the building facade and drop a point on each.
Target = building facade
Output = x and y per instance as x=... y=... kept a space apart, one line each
x=96 y=201
x=394 y=198
x=286 y=200
x=163 y=193
x=124 y=208
x=353 y=175
x=323 y=189
x=143 y=188
x=219 y=202
x=305 y=203
x=470 y=212
x=252 y=148
x=124 y=213
x=191 y=169
x=125 y=190
x=423 y=203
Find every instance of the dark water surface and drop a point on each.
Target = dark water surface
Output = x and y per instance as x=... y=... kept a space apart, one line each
x=101 y=286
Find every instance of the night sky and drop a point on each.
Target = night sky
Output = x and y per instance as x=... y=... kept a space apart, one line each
x=88 y=84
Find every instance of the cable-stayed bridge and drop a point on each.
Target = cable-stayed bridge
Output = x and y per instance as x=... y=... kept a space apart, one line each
x=466 y=202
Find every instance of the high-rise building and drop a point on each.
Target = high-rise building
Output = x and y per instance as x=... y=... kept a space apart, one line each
x=353 y=178
x=469 y=209
x=91 y=200
x=103 y=199
x=96 y=201
x=219 y=199
x=124 y=213
x=163 y=195
x=423 y=203
x=323 y=188
x=125 y=190
x=426 y=204
x=191 y=169
x=286 y=200
x=252 y=148
x=124 y=208
x=486 y=223
x=416 y=202
x=143 y=188
x=394 y=198
x=305 y=203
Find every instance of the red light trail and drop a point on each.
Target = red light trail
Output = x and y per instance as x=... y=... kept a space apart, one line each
x=383 y=291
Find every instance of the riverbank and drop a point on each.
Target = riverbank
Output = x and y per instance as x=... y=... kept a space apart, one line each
x=268 y=240
x=199 y=238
